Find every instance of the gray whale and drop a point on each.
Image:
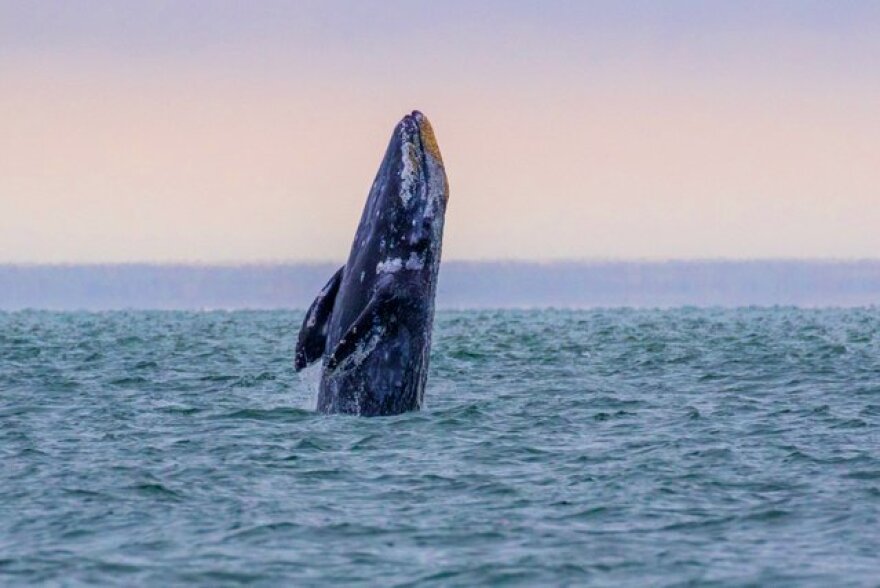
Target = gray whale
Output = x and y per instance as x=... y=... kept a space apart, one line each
x=371 y=324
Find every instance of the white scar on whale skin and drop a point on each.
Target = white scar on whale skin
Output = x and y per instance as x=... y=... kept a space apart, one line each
x=394 y=265
x=409 y=156
x=389 y=266
x=414 y=262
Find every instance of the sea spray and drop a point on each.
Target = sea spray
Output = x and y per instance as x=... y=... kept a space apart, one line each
x=310 y=377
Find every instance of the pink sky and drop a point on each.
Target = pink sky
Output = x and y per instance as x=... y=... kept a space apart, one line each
x=636 y=138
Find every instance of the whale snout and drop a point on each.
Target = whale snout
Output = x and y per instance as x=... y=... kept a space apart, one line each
x=416 y=128
x=426 y=133
x=420 y=188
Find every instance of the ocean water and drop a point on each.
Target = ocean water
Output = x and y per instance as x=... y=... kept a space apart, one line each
x=603 y=448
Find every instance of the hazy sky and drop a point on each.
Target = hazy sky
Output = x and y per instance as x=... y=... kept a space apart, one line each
x=251 y=131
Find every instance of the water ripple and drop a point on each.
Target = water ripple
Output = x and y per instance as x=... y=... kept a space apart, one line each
x=610 y=447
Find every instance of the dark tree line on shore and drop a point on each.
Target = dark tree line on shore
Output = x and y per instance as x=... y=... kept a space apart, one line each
x=462 y=285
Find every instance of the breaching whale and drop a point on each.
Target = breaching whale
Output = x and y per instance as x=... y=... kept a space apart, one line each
x=371 y=324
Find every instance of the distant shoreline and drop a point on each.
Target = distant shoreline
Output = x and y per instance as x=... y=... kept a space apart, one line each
x=463 y=284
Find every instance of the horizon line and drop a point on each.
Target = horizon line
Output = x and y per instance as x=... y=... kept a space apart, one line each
x=487 y=261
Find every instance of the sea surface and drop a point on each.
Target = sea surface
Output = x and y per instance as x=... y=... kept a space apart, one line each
x=683 y=447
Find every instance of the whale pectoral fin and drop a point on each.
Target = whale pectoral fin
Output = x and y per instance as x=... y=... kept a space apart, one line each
x=313 y=333
x=376 y=308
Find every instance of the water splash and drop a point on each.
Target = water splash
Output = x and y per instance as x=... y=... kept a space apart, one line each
x=310 y=378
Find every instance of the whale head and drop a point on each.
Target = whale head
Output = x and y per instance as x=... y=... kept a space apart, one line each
x=408 y=199
x=422 y=191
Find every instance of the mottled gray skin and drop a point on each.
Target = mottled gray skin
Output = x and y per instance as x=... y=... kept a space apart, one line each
x=371 y=324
